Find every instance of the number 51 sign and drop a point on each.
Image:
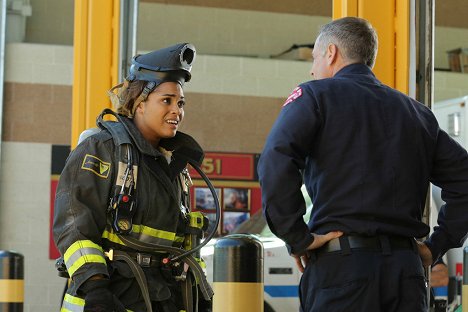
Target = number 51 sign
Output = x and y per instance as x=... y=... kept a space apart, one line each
x=230 y=166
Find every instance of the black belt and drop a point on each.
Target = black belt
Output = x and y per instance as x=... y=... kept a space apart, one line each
x=382 y=243
x=147 y=260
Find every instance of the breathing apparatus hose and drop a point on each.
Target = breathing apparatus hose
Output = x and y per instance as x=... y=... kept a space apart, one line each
x=218 y=214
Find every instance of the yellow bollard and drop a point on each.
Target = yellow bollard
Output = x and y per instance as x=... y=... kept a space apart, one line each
x=238 y=274
x=11 y=281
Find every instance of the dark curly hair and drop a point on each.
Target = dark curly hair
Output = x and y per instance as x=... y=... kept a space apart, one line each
x=128 y=96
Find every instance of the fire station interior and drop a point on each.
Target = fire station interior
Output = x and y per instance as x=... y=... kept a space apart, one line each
x=246 y=67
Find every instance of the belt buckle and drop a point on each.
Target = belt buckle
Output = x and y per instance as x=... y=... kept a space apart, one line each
x=143 y=260
x=110 y=254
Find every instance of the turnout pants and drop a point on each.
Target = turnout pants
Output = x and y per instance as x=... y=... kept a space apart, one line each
x=377 y=276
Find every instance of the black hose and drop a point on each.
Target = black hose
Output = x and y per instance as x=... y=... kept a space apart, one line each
x=293 y=47
x=218 y=214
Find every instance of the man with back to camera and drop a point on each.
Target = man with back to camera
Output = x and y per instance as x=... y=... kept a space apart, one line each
x=366 y=154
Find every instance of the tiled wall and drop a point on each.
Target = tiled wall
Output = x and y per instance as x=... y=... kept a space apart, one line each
x=445 y=39
x=24 y=220
x=221 y=29
x=39 y=63
x=302 y=7
x=245 y=91
x=239 y=95
x=51 y=22
x=37 y=113
x=449 y=85
x=224 y=32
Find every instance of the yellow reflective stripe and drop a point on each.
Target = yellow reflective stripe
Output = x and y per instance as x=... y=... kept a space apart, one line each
x=72 y=304
x=79 y=245
x=111 y=236
x=154 y=232
x=179 y=239
x=82 y=252
x=83 y=260
x=74 y=300
x=201 y=262
x=143 y=229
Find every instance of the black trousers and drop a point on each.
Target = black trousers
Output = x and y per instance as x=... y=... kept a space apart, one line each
x=364 y=280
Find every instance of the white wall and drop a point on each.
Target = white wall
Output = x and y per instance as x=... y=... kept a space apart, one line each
x=214 y=30
x=39 y=63
x=445 y=39
x=53 y=64
x=224 y=31
x=449 y=85
x=24 y=220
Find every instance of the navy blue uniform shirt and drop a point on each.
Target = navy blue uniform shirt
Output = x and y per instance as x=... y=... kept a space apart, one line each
x=366 y=154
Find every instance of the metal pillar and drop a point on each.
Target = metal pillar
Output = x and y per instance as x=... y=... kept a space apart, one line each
x=238 y=274
x=3 y=10
x=426 y=52
x=11 y=281
x=128 y=35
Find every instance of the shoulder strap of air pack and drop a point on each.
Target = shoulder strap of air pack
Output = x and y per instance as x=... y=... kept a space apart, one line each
x=116 y=129
x=123 y=202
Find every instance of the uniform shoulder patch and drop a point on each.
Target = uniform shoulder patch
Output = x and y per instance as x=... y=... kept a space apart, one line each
x=295 y=94
x=96 y=166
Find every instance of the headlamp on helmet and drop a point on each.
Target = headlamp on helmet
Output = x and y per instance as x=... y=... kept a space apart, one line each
x=169 y=64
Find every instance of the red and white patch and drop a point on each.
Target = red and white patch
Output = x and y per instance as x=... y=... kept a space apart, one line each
x=295 y=94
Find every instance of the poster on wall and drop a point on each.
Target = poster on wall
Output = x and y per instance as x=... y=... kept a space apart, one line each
x=236 y=199
x=235 y=179
x=204 y=198
x=231 y=220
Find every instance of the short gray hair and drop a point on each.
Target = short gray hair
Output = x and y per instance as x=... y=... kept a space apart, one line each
x=355 y=38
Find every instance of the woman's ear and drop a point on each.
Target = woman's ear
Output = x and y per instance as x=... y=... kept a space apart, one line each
x=140 y=107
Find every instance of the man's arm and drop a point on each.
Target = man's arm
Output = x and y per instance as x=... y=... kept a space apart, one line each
x=287 y=147
x=450 y=173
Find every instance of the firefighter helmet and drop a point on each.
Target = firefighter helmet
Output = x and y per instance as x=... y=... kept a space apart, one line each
x=169 y=64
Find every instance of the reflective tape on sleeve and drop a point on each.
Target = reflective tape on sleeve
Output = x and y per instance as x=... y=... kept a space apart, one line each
x=83 y=252
x=72 y=304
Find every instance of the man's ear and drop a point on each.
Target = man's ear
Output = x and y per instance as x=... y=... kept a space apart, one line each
x=332 y=53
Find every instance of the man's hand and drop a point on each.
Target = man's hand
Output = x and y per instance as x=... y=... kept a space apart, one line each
x=319 y=241
x=439 y=275
x=425 y=254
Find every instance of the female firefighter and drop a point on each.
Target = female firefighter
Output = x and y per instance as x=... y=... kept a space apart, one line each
x=121 y=206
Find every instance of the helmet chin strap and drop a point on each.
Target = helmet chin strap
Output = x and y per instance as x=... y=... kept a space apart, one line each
x=149 y=87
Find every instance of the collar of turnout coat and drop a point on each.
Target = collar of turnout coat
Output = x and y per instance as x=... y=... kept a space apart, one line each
x=184 y=148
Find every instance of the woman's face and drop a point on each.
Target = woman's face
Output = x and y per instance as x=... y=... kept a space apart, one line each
x=160 y=115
